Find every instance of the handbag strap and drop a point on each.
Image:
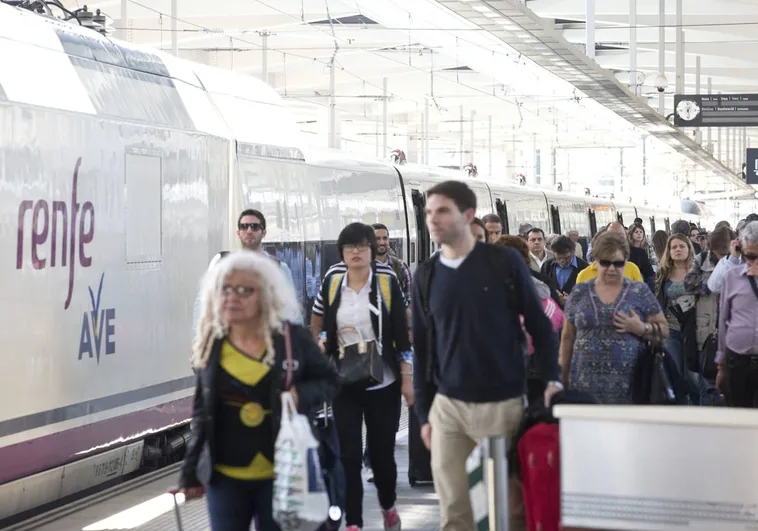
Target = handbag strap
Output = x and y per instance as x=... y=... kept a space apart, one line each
x=753 y=285
x=288 y=355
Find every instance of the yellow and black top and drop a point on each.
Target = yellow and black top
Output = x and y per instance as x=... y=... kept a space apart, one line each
x=244 y=428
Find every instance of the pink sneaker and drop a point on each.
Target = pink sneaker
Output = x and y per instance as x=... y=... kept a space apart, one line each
x=391 y=520
x=352 y=528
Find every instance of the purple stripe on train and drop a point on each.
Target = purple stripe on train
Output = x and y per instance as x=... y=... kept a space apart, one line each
x=35 y=455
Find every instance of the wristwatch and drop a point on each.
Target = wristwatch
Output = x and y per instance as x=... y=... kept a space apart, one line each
x=556 y=383
x=647 y=329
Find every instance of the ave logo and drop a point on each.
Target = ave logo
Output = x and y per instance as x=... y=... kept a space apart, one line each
x=98 y=327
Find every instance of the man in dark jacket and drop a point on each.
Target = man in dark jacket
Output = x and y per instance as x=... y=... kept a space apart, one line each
x=562 y=270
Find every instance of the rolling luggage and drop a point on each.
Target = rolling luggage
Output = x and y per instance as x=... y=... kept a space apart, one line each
x=538 y=459
x=419 y=458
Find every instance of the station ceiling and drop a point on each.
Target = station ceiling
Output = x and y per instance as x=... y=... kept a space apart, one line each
x=459 y=57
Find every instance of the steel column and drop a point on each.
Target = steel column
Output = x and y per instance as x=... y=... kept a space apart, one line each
x=709 y=141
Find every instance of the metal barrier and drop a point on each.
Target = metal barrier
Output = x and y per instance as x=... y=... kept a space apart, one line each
x=487 y=468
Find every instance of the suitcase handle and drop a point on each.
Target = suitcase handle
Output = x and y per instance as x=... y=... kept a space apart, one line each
x=173 y=493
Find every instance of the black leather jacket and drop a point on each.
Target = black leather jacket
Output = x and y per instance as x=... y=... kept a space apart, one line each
x=314 y=378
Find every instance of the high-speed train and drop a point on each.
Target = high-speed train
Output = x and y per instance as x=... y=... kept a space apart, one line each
x=122 y=171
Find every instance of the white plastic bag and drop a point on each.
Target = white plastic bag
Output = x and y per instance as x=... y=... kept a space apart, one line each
x=301 y=502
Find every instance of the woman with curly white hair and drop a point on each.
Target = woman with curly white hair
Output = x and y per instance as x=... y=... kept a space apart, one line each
x=240 y=356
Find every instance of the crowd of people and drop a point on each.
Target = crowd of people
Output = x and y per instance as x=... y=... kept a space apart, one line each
x=488 y=320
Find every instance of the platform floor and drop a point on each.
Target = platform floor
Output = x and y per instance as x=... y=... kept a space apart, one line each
x=149 y=508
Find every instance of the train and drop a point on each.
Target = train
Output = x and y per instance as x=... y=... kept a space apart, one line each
x=123 y=172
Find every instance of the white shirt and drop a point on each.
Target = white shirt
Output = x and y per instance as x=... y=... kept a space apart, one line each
x=539 y=262
x=354 y=311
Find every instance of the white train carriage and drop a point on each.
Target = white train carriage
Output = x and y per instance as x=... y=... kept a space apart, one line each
x=123 y=170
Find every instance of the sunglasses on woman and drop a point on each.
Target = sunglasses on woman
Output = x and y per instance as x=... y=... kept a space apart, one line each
x=618 y=264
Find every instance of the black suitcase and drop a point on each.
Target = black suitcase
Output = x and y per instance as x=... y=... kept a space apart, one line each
x=419 y=458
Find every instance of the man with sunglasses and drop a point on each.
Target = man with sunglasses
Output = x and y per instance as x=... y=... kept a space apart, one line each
x=737 y=353
x=729 y=262
x=251 y=229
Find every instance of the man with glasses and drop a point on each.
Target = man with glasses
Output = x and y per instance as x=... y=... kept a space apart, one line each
x=737 y=353
x=730 y=261
x=563 y=269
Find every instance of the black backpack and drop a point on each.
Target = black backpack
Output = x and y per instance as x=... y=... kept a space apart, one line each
x=500 y=264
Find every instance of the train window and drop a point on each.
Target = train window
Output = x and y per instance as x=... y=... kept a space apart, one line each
x=667 y=223
x=593 y=223
x=422 y=236
x=502 y=212
x=555 y=214
x=413 y=252
x=652 y=226
x=144 y=205
x=620 y=218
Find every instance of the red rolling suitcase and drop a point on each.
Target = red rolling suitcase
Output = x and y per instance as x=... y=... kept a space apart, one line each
x=539 y=457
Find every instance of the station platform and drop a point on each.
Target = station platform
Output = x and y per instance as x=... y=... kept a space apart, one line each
x=148 y=507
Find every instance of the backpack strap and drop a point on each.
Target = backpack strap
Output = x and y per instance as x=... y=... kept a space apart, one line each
x=288 y=355
x=334 y=283
x=385 y=287
x=424 y=278
x=397 y=266
x=502 y=267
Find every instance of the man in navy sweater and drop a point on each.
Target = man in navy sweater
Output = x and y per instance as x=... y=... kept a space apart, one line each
x=469 y=368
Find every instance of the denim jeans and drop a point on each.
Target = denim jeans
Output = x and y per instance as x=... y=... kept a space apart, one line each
x=695 y=384
x=233 y=504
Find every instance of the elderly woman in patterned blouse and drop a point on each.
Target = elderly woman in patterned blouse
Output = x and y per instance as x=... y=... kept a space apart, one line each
x=606 y=320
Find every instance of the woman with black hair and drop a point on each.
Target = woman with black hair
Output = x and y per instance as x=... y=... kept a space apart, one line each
x=365 y=305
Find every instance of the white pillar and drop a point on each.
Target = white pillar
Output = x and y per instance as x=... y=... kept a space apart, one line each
x=662 y=51
x=633 y=85
x=174 y=29
x=384 y=118
x=460 y=141
x=590 y=34
x=426 y=130
x=709 y=141
x=489 y=145
x=332 y=109
x=264 y=56
x=679 y=49
x=471 y=138
x=728 y=148
x=698 y=133
x=123 y=33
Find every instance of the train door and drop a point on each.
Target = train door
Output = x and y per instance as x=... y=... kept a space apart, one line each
x=556 y=215
x=421 y=250
x=593 y=223
x=502 y=212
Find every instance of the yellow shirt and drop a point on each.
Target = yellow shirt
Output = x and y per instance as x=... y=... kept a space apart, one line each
x=631 y=271
x=243 y=415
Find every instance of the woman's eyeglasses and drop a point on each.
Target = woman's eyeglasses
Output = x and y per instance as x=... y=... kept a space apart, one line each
x=618 y=264
x=353 y=247
x=240 y=291
x=749 y=257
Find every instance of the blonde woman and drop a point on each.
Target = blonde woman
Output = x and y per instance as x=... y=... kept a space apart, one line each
x=247 y=308
x=672 y=293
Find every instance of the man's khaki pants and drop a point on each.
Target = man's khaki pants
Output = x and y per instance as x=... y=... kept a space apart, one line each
x=457 y=427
